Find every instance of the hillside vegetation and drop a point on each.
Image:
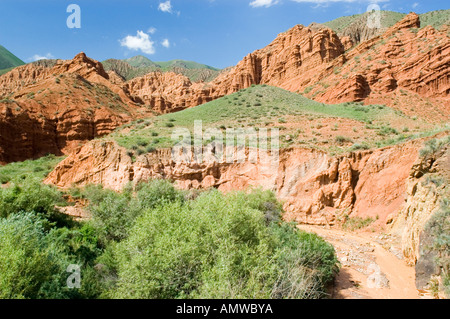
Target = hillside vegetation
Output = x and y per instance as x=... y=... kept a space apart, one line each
x=302 y=122
x=8 y=61
x=139 y=66
x=388 y=18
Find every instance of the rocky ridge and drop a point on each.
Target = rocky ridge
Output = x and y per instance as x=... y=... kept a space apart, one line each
x=52 y=110
x=404 y=66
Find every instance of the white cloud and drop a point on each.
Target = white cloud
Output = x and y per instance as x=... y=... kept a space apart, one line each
x=140 y=42
x=263 y=3
x=38 y=57
x=415 y=5
x=166 y=43
x=151 y=30
x=165 y=6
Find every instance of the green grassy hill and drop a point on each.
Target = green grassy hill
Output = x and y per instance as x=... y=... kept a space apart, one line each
x=435 y=18
x=140 y=61
x=389 y=18
x=184 y=64
x=333 y=128
x=8 y=61
x=140 y=65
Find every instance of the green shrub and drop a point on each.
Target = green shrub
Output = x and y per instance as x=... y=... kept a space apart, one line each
x=434 y=145
x=113 y=214
x=219 y=247
x=358 y=147
x=110 y=214
x=308 y=89
x=33 y=196
x=342 y=139
x=386 y=130
x=20 y=171
x=30 y=265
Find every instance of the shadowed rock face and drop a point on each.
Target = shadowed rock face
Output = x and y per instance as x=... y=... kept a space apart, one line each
x=423 y=200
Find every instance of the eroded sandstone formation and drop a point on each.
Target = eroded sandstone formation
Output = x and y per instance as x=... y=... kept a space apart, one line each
x=405 y=67
x=53 y=110
x=315 y=187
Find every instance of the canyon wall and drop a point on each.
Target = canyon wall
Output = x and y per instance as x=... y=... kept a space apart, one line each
x=314 y=187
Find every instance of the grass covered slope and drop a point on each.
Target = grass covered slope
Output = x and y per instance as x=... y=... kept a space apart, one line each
x=39 y=169
x=388 y=18
x=8 y=60
x=302 y=122
x=435 y=18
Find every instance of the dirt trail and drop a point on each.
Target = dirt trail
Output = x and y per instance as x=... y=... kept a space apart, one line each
x=368 y=270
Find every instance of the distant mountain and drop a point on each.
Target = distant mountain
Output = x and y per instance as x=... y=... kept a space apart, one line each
x=139 y=66
x=140 y=61
x=184 y=64
x=8 y=60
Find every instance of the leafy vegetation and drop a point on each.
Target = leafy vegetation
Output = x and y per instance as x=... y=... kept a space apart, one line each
x=139 y=66
x=434 y=145
x=220 y=246
x=29 y=267
x=32 y=196
x=8 y=60
x=355 y=223
x=153 y=241
x=36 y=168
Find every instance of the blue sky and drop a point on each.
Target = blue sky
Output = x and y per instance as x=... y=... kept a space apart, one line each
x=215 y=32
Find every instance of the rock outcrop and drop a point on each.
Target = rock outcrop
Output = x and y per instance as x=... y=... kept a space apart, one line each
x=315 y=188
x=167 y=92
x=427 y=185
x=427 y=189
x=55 y=109
x=405 y=68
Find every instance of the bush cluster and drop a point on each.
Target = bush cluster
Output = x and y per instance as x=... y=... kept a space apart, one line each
x=153 y=241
